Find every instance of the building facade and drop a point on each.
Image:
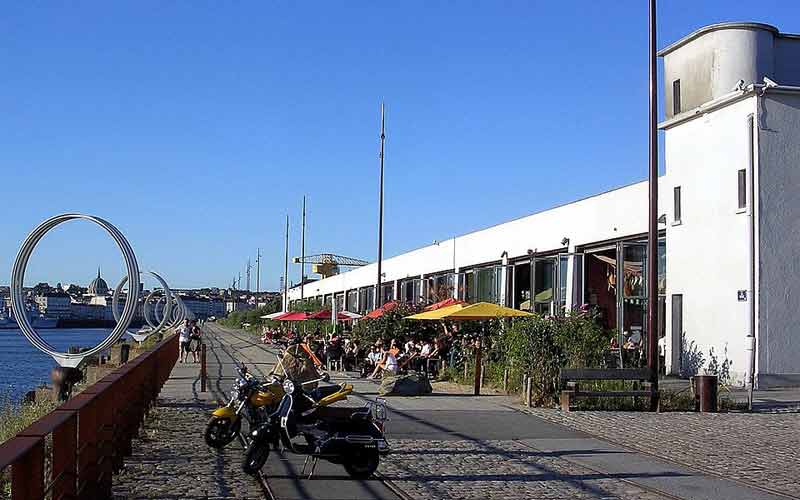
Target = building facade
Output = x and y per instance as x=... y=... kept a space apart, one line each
x=729 y=277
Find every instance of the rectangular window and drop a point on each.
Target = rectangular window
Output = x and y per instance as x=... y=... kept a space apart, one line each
x=742 y=188
x=677 y=201
x=676 y=97
x=677 y=330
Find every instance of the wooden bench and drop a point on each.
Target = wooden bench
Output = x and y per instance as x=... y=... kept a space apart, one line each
x=570 y=390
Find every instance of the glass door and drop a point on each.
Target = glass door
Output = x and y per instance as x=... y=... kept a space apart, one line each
x=632 y=303
x=543 y=280
x=562 y=278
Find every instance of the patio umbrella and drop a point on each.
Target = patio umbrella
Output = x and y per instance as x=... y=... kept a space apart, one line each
x=472 y=312
x=484 y=310
x=443 y=303
x=377 y=313
x=274 y=315
x=293 y=316
x=437 y=313
x=340 y=316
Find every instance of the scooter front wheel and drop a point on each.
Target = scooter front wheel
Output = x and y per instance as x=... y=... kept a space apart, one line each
x=364 y=465
x=255 y=456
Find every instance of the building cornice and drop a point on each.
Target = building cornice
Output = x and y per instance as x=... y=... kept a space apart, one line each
x=716 y=27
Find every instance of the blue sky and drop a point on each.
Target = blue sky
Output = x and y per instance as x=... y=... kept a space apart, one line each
x=195 y=127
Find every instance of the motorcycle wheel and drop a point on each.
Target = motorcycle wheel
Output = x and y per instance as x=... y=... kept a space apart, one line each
x=364 y=465
x=220 y=432
x=255 y=456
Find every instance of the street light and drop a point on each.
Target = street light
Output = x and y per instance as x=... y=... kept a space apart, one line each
x=652 y=220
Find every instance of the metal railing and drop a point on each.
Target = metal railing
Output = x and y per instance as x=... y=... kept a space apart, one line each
x=72 y=452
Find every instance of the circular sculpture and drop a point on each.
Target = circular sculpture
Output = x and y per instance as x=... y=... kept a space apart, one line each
x=179 y=313
x=18 y=299
x=146 y=311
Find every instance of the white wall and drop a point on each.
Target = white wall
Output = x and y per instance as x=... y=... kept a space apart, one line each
x=615 y=214
x=707 y=253
x=779 y=230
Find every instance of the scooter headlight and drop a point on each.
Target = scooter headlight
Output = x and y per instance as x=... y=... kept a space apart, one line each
x=288 y=386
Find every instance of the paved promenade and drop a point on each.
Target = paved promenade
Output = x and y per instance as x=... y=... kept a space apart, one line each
x=445 y=446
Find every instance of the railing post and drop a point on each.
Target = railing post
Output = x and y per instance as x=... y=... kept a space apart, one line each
x=203 y=367
x=27 y=474
x=88 y=449
x=65 y=458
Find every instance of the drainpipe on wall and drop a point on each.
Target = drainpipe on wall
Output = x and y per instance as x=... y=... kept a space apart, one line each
x=750 y=345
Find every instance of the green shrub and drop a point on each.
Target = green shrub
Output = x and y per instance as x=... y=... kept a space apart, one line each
x=540 y=346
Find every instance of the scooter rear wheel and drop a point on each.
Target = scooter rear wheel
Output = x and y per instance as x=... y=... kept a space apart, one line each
x=255 y=456
x=364 y=465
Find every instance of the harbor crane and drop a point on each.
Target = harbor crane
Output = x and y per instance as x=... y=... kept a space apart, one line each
x=328 y=264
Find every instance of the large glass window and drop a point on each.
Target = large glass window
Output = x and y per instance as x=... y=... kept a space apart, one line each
x=439 y=287
x=521 y=296
x=487 y=284
x=466 y=283
x=387 y=292
x=339 y=299
x=544 y=282
x=352 y=299
x=410 y=290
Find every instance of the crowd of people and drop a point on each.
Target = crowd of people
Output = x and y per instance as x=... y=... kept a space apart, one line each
x=338 y=352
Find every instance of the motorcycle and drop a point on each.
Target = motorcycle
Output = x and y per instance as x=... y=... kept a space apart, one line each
x=352 y=437
x=255 y=401
x=249 y=399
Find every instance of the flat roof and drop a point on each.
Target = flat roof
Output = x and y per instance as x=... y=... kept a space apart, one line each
x=715 y=27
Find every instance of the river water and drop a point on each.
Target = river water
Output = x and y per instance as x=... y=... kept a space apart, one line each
x=23 y=367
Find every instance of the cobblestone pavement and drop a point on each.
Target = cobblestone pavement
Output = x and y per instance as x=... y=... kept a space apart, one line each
x=506 y=469
x=172 y=461
x=761 y=449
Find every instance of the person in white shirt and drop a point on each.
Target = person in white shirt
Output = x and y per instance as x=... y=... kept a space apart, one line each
x=184 y=334
x=387 y=364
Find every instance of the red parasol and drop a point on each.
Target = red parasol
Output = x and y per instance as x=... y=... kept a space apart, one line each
x=293 y=316
x=377 y=313
x=444 y=303
x=326 y=315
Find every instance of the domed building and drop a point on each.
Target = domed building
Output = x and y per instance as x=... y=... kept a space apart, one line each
x=98 y=286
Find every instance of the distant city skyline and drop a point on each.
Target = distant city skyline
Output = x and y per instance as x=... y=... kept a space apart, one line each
x=195 y=133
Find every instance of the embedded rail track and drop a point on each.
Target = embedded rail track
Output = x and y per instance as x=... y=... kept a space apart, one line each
x=221 y=355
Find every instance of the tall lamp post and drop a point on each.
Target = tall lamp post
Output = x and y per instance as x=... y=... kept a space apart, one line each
x=303 y=253
x=652 y=220
x=378 y=292
x=286 y=269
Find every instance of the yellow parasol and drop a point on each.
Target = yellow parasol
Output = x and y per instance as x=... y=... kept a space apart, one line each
x=485 y=310
x=479 y=311
x=436 y=313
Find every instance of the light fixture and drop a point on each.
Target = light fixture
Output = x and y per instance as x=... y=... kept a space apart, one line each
x=565 y=241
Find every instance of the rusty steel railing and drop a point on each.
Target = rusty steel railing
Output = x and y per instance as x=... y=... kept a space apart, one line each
x=83 y=442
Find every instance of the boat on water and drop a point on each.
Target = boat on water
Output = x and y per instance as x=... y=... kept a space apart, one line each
x=38 y=321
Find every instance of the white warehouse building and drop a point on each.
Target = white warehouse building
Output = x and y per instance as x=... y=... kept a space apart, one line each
x=729 y=235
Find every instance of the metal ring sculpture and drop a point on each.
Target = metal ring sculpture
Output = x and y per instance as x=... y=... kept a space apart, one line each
x=145 y=312
x=179 y=313
x=18 y=299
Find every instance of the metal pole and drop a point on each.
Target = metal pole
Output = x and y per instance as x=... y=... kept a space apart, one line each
x=378 y=294
x=248 y=273
x=286 y=269
x=652 y=221
x=258 y=270
x=303 y=252
x=203 y=368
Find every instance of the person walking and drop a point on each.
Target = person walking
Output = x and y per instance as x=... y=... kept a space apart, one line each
x=184 y=338
x=197 y=341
